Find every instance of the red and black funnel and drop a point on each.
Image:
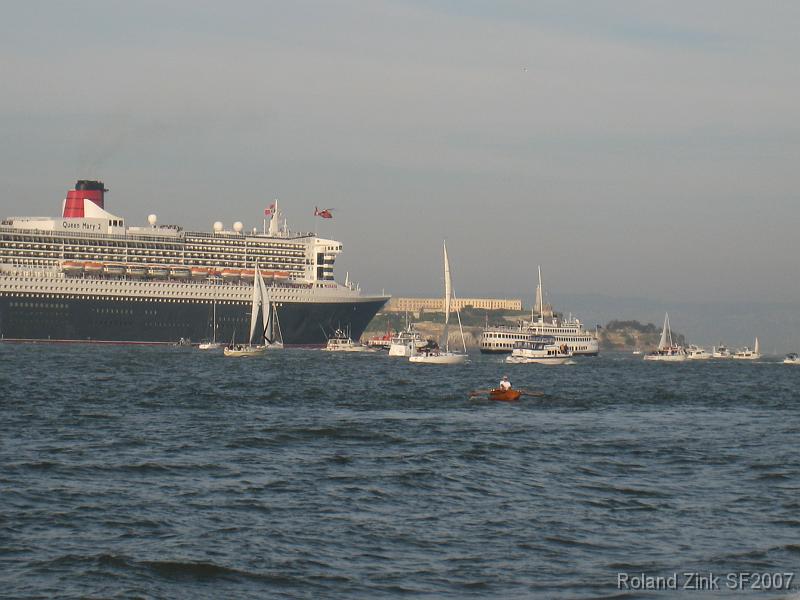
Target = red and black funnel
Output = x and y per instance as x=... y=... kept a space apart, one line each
x=84 y=190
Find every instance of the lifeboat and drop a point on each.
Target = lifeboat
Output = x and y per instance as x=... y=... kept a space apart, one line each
x=231 y=274
x=132 y=271
x=70 y=266
x=93 y=268
x=157 y=272
x=180 y=273
x=281 y=275
x=116 y=270
x=199 y=272
x=504 y=395
x=248 y=274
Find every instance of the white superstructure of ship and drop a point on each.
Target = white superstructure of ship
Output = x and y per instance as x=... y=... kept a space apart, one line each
x=500 y=339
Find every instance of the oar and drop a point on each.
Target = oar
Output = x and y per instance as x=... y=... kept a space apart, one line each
x=534 y=393
x=474 y=393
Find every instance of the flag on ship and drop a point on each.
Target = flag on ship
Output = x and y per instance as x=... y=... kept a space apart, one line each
x=268 y=211
x=325 y=213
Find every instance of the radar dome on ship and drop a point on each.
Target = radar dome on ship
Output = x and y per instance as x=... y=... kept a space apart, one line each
x=238 y=226
x=152 y=219
x=217 y=226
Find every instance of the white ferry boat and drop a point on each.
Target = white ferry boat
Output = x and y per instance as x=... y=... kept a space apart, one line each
x=407 y=342
x=86 y=276
x=501 y=339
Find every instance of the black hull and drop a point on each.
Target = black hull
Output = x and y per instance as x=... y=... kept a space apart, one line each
x=162 y=321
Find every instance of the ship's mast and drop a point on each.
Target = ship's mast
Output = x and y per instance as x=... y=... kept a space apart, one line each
x=273 y=223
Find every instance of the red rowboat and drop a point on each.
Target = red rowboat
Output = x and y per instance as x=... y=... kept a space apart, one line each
x=504 y=395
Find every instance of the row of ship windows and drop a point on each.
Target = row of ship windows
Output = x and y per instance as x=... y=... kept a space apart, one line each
x=193 y=259
x=507 y=345
x=248 y=248
x=133 y=247
x=517 y=336
x=193 y=300
x=93 y=239
x=117 y=282
x=57 y=251
x=54 y=261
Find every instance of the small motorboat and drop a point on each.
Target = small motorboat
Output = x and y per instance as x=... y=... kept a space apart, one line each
x=501 y=395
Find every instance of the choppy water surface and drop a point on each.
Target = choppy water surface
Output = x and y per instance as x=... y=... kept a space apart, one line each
x=156 y=472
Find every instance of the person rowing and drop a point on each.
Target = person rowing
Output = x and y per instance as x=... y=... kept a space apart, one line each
x=504 y=391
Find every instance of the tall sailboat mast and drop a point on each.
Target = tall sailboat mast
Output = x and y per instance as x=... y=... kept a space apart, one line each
x=447 y=293
x=540 y=296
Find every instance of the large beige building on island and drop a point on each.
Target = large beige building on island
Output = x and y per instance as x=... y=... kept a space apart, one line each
x=414 y=305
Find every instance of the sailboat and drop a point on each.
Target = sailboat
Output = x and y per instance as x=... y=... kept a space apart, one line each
x=747 y=354
x=272 y=326
x=667 y=351
x=437 y=356
x=213 y=344
x=271 y=331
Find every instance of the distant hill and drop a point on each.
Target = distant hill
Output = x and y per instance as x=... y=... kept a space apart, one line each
x=627 y=335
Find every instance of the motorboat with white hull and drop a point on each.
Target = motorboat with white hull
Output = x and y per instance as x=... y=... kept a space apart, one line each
x=342 y=342
x=694 y=352
x=720 y=351
x=541 y=350
x=747 y=354
x=667 y=350
x=437 y=356
x=792 y=359
x=407 y=342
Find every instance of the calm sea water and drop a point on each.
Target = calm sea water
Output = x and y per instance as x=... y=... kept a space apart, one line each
x=172 y=473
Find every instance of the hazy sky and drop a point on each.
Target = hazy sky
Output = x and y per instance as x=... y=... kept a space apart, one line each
x=633 y=148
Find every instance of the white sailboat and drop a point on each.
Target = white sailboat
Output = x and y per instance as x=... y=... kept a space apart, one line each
x=269 y=318
x=213 y=344
x=667 y=351
x=438 y=356
x=747 y=354
x=272 y=326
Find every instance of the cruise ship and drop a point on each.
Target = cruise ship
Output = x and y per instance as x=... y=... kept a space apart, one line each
x=86 y=276
x=569 y=332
